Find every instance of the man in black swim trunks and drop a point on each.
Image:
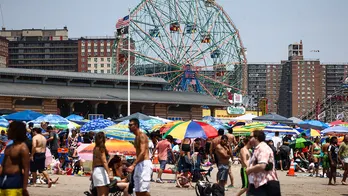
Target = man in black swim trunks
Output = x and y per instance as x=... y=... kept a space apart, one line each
x=38 y=156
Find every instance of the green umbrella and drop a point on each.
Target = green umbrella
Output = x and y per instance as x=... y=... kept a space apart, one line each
x=300 y=143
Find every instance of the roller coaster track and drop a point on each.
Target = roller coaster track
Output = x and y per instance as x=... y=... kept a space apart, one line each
x=331 y=107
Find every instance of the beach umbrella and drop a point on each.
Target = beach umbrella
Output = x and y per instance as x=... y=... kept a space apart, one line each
x=96 y=124
x=26 y=115
x=273 y=118
x=119 y=132
x=69 y=126
x=144 y=124
x=3 y=122
x=164 y=128
x=161 y=119
x=300 y=143
x=53 y=119
x=336 y=130
x=74 y=117
x=192 y=129
x=80 y=122
x=245 y=117
x=338 y=122
x=137 y=115
x=281 y=129
x=295 y=120
x=114 y=147
x=313 y=124
x=120 y=135
x=218 y=126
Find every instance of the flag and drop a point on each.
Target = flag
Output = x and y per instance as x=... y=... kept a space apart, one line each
x=122 y=31
x=122 y=22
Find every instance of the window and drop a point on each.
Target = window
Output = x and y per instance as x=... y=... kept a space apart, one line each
x=89 y=71
x=95 y=65
x=82 y=50
x=102 y=59
x=108 y=70
x=83 y=54
x=89 y=65
x=101 y=71
x=95 y=60
x=83 y=65
x=83 y=59
x=95 y=71
x=101 y=65
x=108 y=65
x=89 y=59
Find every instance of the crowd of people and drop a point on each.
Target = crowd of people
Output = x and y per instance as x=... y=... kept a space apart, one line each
x=259 y=159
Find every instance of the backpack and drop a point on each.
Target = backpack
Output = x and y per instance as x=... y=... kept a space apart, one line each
x=218 y=190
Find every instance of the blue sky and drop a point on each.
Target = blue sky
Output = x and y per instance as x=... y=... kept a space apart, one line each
x=267 y=27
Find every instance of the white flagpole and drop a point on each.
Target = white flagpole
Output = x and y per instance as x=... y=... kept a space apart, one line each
x=128 y=101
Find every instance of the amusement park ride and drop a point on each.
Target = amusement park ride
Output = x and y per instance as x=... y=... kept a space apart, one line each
x=193 y=44
x=333 y=107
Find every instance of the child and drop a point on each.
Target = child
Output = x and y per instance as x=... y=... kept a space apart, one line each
x=58 y=167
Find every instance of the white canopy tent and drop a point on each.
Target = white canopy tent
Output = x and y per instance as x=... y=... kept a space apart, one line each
x=246 y=117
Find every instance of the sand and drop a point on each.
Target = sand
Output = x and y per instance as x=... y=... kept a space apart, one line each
x=299 y=185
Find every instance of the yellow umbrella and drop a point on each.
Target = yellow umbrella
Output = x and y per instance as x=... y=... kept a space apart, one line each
x=314 y=133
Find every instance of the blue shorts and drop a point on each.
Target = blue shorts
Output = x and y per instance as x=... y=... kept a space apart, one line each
x=163 y=164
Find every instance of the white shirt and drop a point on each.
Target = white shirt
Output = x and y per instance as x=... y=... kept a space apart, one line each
x=151 y=147
x=277 y=141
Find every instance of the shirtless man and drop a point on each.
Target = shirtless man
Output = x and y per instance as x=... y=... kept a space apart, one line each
x=223 y=153
x=326 y=164
x=213 y=145
x=142 y=166
x=244 y=159
x=15 y=170
x=38 y=156
x=232 y=142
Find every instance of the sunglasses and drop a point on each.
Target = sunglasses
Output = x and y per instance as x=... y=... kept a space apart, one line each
x=129 y=125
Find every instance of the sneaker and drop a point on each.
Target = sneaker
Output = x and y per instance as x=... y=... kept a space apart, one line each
x=159 y=181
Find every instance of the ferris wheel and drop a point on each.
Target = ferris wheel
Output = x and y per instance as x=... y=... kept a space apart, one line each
x=193 y=44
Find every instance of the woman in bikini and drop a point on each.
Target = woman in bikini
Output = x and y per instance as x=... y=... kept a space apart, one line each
x=315 y=152
x=120 y=180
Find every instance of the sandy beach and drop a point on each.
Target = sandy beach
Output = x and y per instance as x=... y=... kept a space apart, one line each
x=292 y=186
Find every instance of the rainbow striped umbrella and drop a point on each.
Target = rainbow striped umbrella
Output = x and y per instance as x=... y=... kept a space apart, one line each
x=192 y=129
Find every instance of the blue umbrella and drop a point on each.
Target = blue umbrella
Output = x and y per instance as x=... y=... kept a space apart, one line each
x=313 y=124
x=52 y=119
x=336 y=129
x=3 y=122
x=281 y=129
x=208 y=119
x=74 y=117
x=218 y=125
x=26 y=115
x=145 y=124
x=96 y=124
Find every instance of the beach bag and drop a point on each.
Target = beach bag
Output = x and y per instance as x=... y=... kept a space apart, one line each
x=218 y=190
